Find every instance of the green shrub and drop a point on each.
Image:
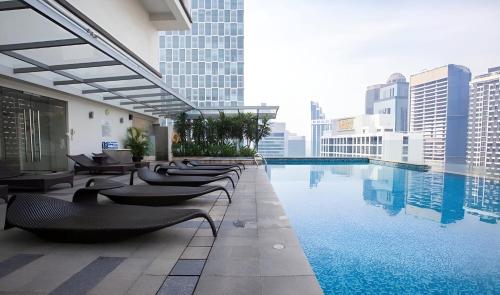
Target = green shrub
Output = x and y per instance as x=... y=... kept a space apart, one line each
x=247 y=152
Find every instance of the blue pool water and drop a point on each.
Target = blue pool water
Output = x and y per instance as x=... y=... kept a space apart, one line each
x=377 y=229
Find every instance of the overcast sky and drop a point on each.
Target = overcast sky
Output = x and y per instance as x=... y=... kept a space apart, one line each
x=329 y=51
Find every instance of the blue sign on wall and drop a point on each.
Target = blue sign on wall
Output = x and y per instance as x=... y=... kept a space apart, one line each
x=109 y=145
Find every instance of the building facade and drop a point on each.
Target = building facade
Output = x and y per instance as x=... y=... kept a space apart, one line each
x=318 y=125
x=206 y=64
x=483 y=141
x=79 y=90
x=296 y=145
x=438 y=104
x=390 y=98
x=276 y=144
x=371 y=136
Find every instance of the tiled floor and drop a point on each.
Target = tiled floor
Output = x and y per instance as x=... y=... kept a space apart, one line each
x=256 y=252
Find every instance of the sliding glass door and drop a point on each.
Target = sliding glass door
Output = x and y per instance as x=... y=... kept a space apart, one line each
x=33 y=131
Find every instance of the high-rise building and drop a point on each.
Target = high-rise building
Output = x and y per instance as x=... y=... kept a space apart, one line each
x=372 y=95
x=206 y=63
x=276 y=144
x=390 y=98
x=296 y=145
x=318 y=125
x=371 y=136
x=483 y=141
x=439 y=102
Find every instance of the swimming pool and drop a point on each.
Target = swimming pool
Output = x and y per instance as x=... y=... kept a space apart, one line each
x=376 y=229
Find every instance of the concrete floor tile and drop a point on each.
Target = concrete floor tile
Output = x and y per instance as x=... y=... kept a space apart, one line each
x=187 y=267
x=216 y=285
x=291 y=285
x=202 y=241
x=195 y=253
x=146 y=285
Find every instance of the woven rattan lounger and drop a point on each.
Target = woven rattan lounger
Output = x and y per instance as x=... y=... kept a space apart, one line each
x=195 y=163
x=173 y=170
x=154 y=178
x=42 y=182
x=84 y=163
x=63 y=221
x=180 y=165
x=147 y=195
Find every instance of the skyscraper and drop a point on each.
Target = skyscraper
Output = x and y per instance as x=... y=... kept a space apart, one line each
x=318 y=125
x=206 y=63
x=296 y=145
x=390 y=98
x=483 y=142
x=372 y=95
x=439 y=102
x=276 y=144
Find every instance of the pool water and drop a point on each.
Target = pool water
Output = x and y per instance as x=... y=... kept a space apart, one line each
x=374 y=229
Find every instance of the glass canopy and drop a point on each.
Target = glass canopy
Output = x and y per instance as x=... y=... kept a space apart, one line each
x=43 y=43
x=260 y=111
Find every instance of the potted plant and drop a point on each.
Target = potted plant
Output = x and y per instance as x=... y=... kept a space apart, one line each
x=138 y=143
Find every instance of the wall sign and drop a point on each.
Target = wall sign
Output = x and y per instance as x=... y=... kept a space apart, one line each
x=109 y=145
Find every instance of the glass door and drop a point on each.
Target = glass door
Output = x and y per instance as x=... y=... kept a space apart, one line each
x=33 y=135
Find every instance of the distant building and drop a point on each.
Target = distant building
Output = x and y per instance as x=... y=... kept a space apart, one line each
x=390 y=98
x=296 y=145
x=483 y=141
x=439 y=102
x=371 y=136
x=276 y=144
x=372 y=95
x=206 y=64
x=318 y=125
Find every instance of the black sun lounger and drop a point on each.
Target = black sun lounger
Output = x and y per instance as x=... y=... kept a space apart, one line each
x=84 y=163
x=146 y=195
x=195 y=163
x=63 y=221
x=173 y=170
x=180 y=165
x=154 y=178
x=42 y=182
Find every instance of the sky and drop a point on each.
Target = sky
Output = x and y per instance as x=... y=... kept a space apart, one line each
x=329 y=51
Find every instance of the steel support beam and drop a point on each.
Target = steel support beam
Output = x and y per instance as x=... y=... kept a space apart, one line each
x=45 y=9
x=101 y=79
x=62 y=73
x=121 y=89
x=139 y=95
x=161 y=106
x=12 y=5
x=68 y=66
x=149 y=101
x=42 y=44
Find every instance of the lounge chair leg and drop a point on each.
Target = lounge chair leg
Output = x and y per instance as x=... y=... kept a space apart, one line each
x=232 y=181
x=212 y=225
x=227 y=193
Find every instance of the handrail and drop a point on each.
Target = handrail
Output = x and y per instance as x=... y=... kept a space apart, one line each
x=262 y=158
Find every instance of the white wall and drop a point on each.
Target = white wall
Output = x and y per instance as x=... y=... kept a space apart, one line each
x=127 y=21
x=87 y=137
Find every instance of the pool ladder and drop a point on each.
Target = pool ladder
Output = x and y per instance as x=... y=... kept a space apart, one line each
x=258 y=156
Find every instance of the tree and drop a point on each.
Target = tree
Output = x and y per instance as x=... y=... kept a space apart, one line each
x=182 y=127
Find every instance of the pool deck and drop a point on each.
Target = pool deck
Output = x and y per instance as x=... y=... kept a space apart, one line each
x=256 y=252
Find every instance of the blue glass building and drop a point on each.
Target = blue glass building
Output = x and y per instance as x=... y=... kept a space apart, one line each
x=206 y=64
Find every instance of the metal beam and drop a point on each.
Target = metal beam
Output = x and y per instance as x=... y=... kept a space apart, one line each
x=140 y=95
x=101 y=79
x=149 y=101
x=12 y=5
x=55 y=16
x=121 y=89
x=42 y=44
x=68 y=66
x=62 y=73
x=167 y=110
x=161 y=106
